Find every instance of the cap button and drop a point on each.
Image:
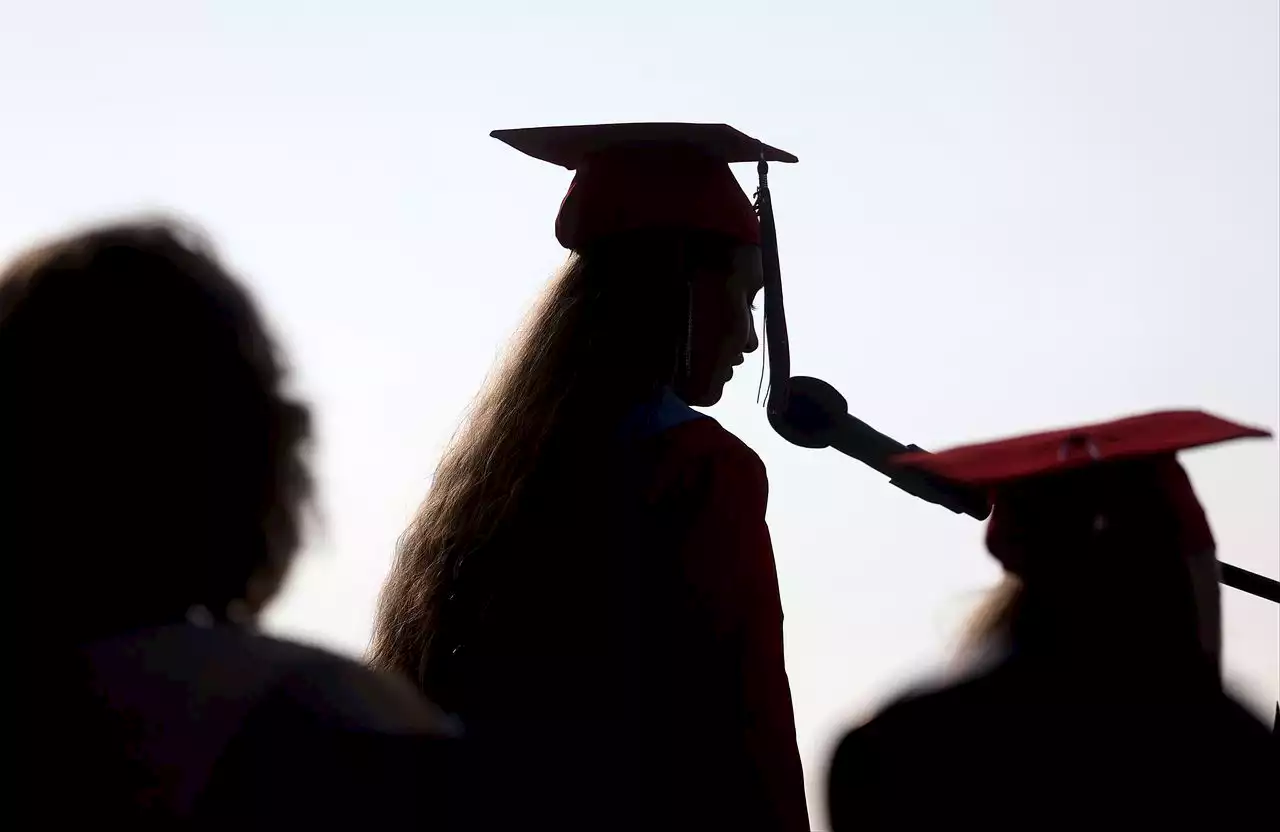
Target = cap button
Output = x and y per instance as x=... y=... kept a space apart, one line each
x=1078 y=442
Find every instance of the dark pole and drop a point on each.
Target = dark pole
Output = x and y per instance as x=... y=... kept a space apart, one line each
x=1254 y=584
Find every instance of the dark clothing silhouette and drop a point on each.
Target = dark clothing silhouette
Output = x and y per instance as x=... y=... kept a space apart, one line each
x=188 y=727
x=652 y=693
x=1033 y=746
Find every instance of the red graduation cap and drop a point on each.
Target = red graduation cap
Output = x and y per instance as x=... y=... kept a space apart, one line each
x=648 y=175
x=1057 y=489
x=1008 y=461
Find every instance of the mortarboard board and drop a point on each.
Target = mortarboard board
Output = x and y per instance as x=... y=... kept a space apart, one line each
x=1055 y=489
x=1008 y=461
x=648 y=175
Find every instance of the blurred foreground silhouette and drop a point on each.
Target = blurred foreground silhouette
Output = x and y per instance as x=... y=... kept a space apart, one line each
x=154 y=478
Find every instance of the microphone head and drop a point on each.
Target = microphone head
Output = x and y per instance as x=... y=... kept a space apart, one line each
x=814 y=409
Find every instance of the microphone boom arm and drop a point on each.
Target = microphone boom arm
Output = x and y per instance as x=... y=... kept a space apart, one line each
x=816 y=416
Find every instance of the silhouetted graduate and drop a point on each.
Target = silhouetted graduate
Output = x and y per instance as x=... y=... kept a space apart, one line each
x=1102 y=706
x=153 y=480
x=590 y=584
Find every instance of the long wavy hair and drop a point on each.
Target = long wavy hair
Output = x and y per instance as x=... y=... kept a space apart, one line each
x=1034 y=619
x=610 y=330
x=995 y=616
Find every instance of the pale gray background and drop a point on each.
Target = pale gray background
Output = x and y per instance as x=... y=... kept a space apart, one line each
x=1008 y=216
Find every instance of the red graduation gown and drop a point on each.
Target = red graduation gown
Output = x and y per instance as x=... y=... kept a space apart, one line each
x=632 y=676
x=727 y=560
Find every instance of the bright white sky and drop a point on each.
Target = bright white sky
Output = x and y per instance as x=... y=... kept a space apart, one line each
x=1007 y=216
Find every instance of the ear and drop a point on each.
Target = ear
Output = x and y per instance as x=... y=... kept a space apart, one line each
x=748 y=265
x=1205 y=573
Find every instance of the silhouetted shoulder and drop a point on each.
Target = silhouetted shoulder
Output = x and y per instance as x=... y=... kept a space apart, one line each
x=218 y=664
x=918 y=763
x=873 y=761
x=708 y=436
x=1010 y=749
x=222 y=723
x=702 y=451
x=347 y=693
x=332 y=743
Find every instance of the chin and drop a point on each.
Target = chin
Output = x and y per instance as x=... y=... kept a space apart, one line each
x=706 y=398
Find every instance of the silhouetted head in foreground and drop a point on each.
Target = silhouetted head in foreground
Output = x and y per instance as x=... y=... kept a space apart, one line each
x=1132 y=579
x=153 y=464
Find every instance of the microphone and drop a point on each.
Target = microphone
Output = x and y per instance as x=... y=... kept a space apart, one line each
x=817 y=416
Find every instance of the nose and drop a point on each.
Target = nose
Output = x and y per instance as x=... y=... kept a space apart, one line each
x=753 y=340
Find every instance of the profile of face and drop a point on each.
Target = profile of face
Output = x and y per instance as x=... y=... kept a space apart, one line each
x=723 y=326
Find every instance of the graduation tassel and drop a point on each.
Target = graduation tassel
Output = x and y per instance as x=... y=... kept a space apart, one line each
x=760 y=387
x=778 y=351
